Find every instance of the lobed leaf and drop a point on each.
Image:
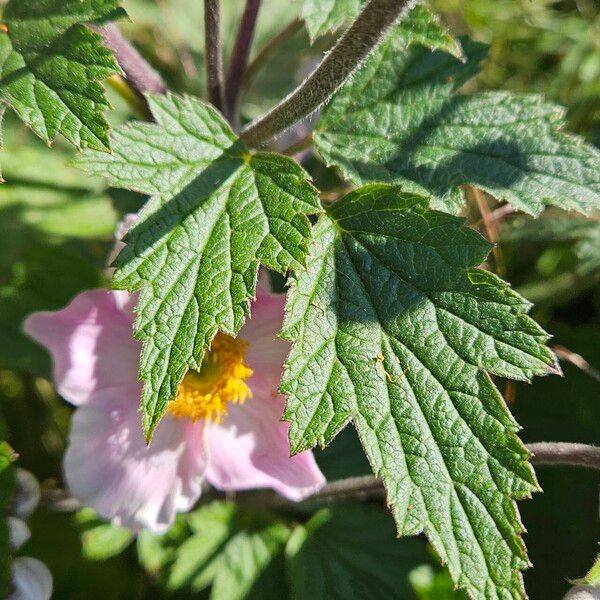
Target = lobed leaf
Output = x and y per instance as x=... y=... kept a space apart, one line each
x=394 y=327
x=216 y=213
x=51 y=66
x=400 y=120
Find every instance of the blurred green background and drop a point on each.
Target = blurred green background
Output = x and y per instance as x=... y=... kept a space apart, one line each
x=57 y=228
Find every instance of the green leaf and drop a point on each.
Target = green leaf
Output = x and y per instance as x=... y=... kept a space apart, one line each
x=215 y=214
x=555 y=228
x=157 y=551
x=325 y=16
x=250 y=565
x=423 y=27
x=56 y=225
x=351 y=553
x=561 y=543
x=51 y=66
x=420 y=26
x=430 y=584
x=400 y=120
x=394 y=327
x=198 y=558
x=238 y=552
x=101 y=540
x=592 y=577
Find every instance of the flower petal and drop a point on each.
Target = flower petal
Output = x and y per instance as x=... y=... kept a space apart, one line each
x=31 y=580
x=91 y=343
x=250 y=449
x=109 y=467
x=266 y=352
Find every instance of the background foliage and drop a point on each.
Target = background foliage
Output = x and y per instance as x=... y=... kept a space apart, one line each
x=57 y=227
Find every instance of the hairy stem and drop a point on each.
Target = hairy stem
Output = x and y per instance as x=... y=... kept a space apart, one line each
x=369 y=487
x=577 y=360
x=269 y=49
x=140 y=76
x=347 y=55
x=366 y=487
x=562 y=453
x=213 y=52
x=490 y=226
x=239 y=58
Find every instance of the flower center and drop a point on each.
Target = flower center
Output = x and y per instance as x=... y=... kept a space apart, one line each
x=222 y=378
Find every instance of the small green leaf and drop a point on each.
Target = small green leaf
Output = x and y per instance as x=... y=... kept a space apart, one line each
x=239 y=552
x=391 y=330
x=216 y=213
x=157 y=552
x=198 y=558
x=250 y=565
x=51 y=66
x=101 y=540
x=351 y=553
x=400 y=120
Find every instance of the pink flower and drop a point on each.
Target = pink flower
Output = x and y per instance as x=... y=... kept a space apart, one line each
x=224 y=426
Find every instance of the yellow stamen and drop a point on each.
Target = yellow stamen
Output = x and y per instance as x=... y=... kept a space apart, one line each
x=205 y=394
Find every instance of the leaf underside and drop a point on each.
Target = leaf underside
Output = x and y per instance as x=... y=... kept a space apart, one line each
x=400 y=120
x=394 y=327
x=216 y=212
x=51 y=66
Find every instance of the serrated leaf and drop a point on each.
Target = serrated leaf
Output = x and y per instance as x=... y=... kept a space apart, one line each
x=422 y=26
x=561 y=544
x=394 y=327
x=51 y=66
x=400 y=120
x=216 y=213
x=351 y=553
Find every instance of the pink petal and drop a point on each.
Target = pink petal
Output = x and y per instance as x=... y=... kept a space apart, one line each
x=91 y=343
x=266 y=352
x=250 y=449
x=109 y=467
